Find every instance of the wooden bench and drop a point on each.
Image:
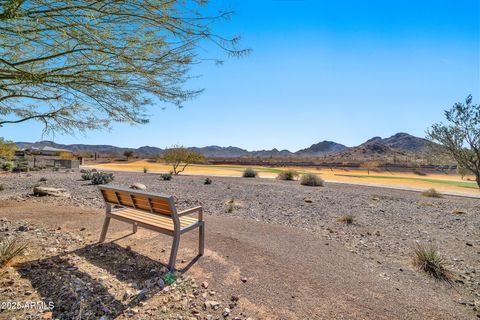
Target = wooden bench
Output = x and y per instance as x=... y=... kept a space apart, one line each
x=151 y=211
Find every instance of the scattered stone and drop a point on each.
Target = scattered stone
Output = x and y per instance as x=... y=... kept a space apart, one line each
x=48 y=191
x=23 y=228
x=226 y=312
x=48 y=315
x=211 y=304
x=307 y=200
x=138 y=186
x=205 y=284
x=244 y=279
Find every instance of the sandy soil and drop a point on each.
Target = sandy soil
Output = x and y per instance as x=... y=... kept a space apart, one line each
x=299 y=261
x=400 y=180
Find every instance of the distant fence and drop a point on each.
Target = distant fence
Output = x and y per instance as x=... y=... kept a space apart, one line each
x=334 y=165
x=53 y=163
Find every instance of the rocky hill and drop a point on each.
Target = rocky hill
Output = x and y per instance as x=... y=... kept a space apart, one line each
x=321 y=149
x=400 y=144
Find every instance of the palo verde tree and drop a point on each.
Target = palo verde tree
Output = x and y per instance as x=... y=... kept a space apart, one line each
x=180 y=157
x=76 y=65
x=461 y=136
x=7 y=149
x=128 y=153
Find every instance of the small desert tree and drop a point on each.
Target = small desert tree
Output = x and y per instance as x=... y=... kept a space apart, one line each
x=66 y=155
x=180 y=157
x=462 y=171
x=461 y=136
x=128 y=154
x=7 y=149
x=369 y=166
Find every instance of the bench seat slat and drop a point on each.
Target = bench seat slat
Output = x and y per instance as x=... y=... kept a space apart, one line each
x=154 y=220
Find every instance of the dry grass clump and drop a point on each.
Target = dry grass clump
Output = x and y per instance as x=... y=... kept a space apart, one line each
x=9 y=249
x=425 y=257
x=347 y=219
x=311 y=180
x=231 y=205
x=287 y=175
x=458 y=211
x=432 y=193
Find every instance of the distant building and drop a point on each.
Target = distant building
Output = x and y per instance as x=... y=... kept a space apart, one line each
x=44 y=151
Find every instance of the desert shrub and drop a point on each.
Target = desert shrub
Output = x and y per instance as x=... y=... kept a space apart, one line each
x=2 y=187
x=102 y=178
x=231 y=205
x=312 y=180
x=458 y=211
x=7 y=166
x=87 y=175
x=169 y=278
x=207 y=181
x=427 y=259
x=287 y=175
x=145 y=169
x=432 y=193
x=43 y=179
x=9 y=249
x=249 y=173
x=347 y=219
x=166 y=176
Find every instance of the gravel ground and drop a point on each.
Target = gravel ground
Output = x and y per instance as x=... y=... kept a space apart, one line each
x=66 y=277
x=386 y=222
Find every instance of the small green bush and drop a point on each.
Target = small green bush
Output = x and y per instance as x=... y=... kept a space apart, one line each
x=9 y=249
x=207 y=181
x=427 y=259
x=87 y=175
x=347 y=219
x=2 y=187
x=432 y=193
x=166 y=176
x=102 y=178
x=312 y=180
x=145 y=169
x=287 y=175
x=249 y=173
x=8 y=166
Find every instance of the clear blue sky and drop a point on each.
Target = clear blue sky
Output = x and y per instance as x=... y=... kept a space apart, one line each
x=320 y=70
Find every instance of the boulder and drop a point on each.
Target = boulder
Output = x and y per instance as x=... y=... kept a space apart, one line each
x=47 y=191
x=138 y=186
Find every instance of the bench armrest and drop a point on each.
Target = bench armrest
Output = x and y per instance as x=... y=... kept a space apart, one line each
x=198 y=209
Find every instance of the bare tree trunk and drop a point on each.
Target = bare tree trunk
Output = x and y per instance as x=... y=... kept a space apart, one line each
x=477 y=176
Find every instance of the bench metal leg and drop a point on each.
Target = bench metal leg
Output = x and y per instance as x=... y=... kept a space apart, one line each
x=173 y=254
x=135 y=226
x=201 y=239
x=106 y=222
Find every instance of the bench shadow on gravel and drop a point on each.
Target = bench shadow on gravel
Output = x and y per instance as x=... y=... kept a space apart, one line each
x=77 y=294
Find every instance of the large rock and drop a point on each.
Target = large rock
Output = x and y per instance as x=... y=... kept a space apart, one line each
x=47 y=191
x=138 y=186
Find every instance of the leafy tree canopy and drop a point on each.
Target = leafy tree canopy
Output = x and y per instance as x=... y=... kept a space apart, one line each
x=79 y=65
x=460 y=137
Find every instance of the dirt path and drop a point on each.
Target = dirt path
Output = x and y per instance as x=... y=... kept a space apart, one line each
x=290 y=273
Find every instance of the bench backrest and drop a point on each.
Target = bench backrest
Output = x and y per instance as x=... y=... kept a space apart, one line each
x=140 y=200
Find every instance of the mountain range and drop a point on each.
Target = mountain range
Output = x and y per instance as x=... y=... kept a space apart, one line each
x=400 y=143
